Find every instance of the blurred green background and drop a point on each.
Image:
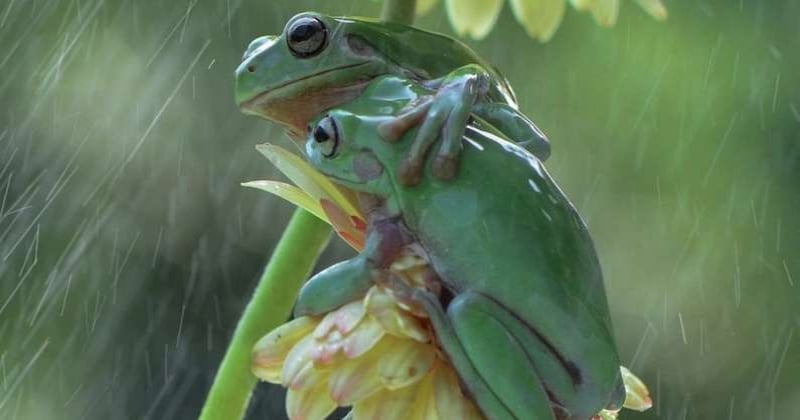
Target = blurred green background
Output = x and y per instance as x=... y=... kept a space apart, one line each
x=128 y=248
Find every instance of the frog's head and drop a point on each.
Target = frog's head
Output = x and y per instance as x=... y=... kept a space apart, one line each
x=318 y=62
x=340 y=145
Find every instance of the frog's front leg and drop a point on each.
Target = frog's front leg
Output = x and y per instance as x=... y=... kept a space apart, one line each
x=444 y=117
x=349 y=280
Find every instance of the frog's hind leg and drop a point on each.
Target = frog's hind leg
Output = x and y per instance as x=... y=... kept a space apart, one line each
x=490 y=360
x=504 y=362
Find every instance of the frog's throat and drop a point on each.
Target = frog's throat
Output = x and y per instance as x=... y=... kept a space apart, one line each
x=292 y=105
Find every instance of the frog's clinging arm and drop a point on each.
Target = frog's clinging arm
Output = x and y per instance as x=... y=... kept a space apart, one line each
x=349 y=280
x=447 y=117
x=444 y=117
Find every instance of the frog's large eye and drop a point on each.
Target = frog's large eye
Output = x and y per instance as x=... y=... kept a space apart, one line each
x=326 y=134
x=306 y=36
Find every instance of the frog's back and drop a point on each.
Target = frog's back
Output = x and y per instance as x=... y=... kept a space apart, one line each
x=428 y=55
x=511 y=234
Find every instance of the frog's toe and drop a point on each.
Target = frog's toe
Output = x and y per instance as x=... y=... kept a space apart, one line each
x=401 y=290
x=392 y=130
x=445 y=168
x=409 y=173
x=411 y=116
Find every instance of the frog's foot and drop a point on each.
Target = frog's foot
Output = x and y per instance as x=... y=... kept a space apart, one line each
x=402 y=291
x=447 y=119
x=408 y=118
x=335 y=286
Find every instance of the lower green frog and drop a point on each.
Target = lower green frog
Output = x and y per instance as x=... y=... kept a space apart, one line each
x=523 y=316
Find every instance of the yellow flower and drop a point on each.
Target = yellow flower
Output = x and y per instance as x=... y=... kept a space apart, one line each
x=376 y=354
x=540 y=18
x=637 y=397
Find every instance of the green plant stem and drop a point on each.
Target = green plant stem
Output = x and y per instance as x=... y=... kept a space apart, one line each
x=291 y=263
x=399 y=11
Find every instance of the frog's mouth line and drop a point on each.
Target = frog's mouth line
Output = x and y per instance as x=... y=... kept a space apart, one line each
x=262 y=100
x=342 y=181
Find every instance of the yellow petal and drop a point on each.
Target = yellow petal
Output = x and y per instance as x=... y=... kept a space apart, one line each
x=408 y=261
x=307 y=178
x=654 y=8
x=606 y=415
x=307 y=376
x=473 y=17
x=540 y=18
x=425 y=405
x=333 y=335
x=637 y=397
x=291 y=194
x=382 y=305
x=406 y=362
x=335 y=345
x=387 y=405
x=271 y=350
x=342 y=320
x=355 y=379
x=351 y=228
x=309 y=404
x=424 y=6
x=363 y=338
x=605 y=12
x=450 y=402
x=297 y=360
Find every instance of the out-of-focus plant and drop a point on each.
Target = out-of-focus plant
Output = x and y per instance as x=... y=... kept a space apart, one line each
x=540 y=18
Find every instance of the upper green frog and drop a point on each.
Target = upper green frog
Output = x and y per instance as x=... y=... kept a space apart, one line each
x=319 y=62
x=524 y=318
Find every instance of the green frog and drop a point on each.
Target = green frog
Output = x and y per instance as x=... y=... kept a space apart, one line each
x=319 y=62
x=523 y=316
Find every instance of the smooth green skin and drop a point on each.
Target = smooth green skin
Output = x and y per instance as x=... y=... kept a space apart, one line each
x=274 y=83
x=528 y=314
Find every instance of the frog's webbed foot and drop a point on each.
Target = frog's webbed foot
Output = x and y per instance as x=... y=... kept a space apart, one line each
x=410 y=117
x=445 y=117
x=406 y=294
x=333 y=287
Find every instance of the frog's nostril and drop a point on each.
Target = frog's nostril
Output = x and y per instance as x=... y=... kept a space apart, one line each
x=251 y=68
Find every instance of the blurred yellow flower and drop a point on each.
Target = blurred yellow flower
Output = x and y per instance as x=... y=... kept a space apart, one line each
x=540 y=18
x=376 y=354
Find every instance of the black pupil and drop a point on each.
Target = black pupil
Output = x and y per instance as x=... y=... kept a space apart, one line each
x=306 y=37
x=302 y=32
x=320 y=135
